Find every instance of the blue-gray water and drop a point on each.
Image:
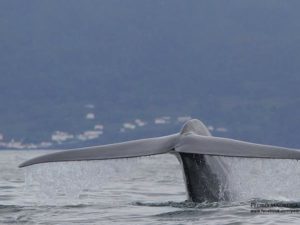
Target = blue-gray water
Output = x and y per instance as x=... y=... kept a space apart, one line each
x=139 y=191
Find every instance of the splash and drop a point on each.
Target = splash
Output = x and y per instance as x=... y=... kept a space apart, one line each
x=52 y=181
x=273 y=179
x=246 y=178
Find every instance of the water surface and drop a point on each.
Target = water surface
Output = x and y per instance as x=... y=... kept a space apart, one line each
x=139 y=191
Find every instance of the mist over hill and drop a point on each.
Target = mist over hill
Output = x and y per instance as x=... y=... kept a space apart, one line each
x=69 y=66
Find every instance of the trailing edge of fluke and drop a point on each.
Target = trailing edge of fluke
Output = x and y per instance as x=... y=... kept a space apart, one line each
x=187 y=141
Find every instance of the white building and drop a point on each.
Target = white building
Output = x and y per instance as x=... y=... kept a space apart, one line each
x=90 y=116
x=89 y=135
x=221 y=129
x=140 y=122
x=60 y=136
x=98 y=127
x=129 y=126
x=162 y=120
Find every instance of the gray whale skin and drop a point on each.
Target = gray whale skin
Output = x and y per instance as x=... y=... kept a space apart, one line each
x=196 y=149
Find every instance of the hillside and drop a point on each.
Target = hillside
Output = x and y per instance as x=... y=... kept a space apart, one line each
x=232 y=64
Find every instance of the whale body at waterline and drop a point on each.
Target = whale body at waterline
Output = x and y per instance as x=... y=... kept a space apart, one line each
x=195 y=148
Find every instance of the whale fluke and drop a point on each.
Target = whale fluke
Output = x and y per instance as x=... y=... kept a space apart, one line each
x=137 y=148
x=194 y=126
x=193 y=147
x=208 y=145
x=193 y=138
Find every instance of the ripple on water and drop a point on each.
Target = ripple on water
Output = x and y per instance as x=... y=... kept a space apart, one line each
x=140 y=192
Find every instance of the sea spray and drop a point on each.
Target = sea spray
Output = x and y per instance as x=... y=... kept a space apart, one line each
x=273 y=179
x=246 y=178
x=54 y=181
x=103 y=180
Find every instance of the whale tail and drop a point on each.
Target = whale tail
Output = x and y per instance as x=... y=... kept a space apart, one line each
x=193 y=138
x=136 y=148
x=196 y=127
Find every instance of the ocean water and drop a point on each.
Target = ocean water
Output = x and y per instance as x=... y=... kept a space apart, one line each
x=146 y=190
